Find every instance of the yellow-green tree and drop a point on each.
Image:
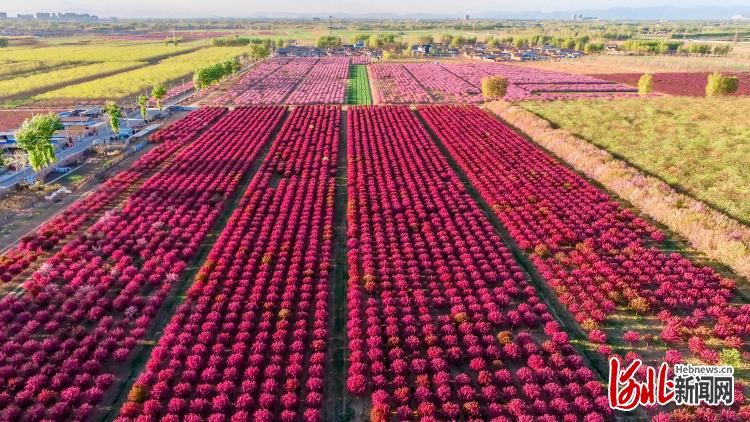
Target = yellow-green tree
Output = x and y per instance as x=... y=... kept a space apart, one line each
x=35 y=137
x=494 y=87
x=645 y=83
x=329 y=41
x=259 y=51
x=158 y=92
x=114 y=112
x=142 y=103
x=719 y=84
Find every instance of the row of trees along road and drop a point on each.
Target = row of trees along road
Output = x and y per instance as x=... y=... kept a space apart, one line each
x=212 y=74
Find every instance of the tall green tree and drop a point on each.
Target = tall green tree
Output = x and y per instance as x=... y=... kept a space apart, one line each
x=259 y=51
x=158 y=93
x=212 y=74
x=35 y=137
x=143 y=103
x=114 y=112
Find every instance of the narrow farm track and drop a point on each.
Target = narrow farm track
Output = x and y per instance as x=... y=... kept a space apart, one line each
x=337 y=398
x=140 y=355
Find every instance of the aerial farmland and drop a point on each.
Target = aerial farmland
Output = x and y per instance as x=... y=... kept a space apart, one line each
x=306 y=219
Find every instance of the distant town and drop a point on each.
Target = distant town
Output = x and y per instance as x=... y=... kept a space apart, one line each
x=51 y=16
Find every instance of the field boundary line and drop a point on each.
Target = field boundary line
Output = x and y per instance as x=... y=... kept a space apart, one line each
x=336 y=394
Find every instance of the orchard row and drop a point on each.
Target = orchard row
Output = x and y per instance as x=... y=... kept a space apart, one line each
x=306 y=81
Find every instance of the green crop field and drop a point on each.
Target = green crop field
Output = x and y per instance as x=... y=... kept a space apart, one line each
x=701 y=145
x=358 y=90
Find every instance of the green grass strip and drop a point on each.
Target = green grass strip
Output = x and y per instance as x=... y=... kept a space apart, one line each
x=358 y=91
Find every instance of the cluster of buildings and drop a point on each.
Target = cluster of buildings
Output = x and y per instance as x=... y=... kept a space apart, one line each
x=502 y=53
x=346 y=50
x=581 y=18
x=80 y=126
x=477 y=51
x=56 y=17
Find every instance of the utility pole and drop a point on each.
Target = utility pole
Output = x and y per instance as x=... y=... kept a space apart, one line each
x=330 y=25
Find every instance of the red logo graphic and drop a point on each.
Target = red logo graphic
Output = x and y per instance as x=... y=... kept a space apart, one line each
x=626 y=393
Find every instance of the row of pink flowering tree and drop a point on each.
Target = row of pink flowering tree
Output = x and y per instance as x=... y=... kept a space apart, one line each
x=597 y=255
x=291 y=81
x=443 y=323
x=86 y=210
x=85 y=310
x=249 y=343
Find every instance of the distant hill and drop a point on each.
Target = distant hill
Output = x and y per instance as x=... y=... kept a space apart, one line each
x=615 y=13
x=634 y=13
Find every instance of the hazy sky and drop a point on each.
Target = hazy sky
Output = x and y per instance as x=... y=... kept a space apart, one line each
x=246 y=8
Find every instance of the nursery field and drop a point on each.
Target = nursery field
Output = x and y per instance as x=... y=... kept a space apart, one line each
x=338 y=80
x=345 y=264
x=40 y=82
x=700 y=145
x=291 y=81
x=27 y=72
x=97 y=52
x=14 y=69
x=424 y=83
x=290 y=252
